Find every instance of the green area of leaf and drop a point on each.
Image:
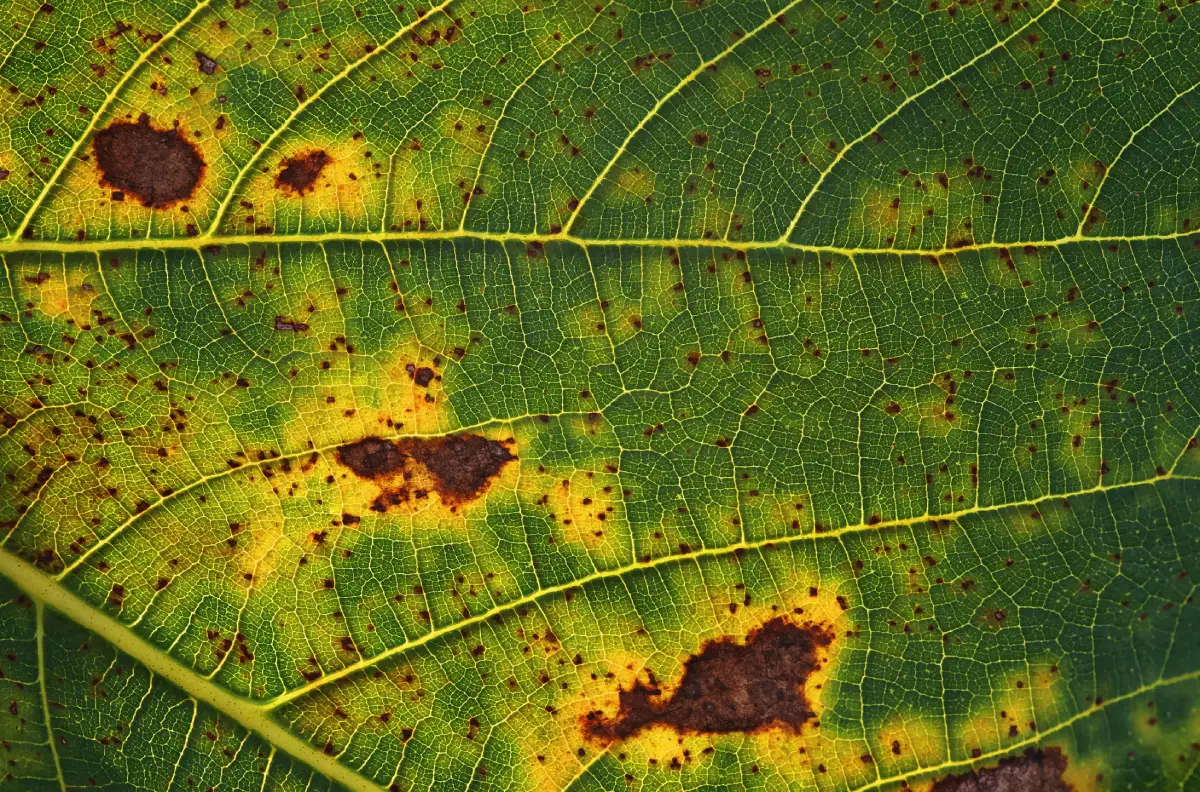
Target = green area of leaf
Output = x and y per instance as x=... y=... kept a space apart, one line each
x=877 y=319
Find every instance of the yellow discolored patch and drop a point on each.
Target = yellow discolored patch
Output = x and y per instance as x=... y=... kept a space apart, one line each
x=578 y=505
x=62 y=294
x=1086 y=773
x=321 y=178
x=936 y=406
x=908 y=741
x=1017 y=701
x=882 y=212
x=413 y=200
x=413 y=407
x=261 y=545
x=711 y=214
x=634 y=182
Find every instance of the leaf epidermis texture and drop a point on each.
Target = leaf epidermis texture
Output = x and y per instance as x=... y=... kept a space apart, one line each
x=628 y=395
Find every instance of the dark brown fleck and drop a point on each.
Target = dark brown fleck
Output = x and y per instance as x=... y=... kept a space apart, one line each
x=207 y=64
x=283 y=324
x=422 y=375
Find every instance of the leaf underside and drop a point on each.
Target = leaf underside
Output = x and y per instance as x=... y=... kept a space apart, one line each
x=668 y=394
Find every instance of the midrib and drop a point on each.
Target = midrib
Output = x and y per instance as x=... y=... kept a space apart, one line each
x=13 y=245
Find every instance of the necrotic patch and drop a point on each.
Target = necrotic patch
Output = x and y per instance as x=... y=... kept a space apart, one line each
x=300 y=172
x=727 y=687
x=156 y=166
x=1036 y=771
x=459 y=468
x=371 y=457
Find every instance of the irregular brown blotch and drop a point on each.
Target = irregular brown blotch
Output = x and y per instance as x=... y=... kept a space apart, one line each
x=301 y=171
x=459 y=468
x=283 y=324
x=1037 y=771
x=156 y=166
x=727 y=687
x=206 y=64
x=422 y=375
x=371 y=457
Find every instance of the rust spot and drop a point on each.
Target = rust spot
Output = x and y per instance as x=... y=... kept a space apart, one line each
x=158 y=167
x=1036 y=771
x=300 y=172
x=459 y=468
x=727 y=687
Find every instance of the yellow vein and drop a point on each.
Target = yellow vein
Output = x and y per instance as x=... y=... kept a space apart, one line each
x=841 y=154
x=302 y=106
x=663 y=100
x=1109 y=169
x=66 y=247
x=504 y=110
x=46 y=591
x=41 y=656
x=100 y=111
x=708 y=552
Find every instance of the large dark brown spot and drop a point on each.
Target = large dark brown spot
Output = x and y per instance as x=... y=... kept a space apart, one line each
x=156 y=166
x=422 y=375
x=459 y=468
x=300 y=172
x=463 y=464
x=1036 y=771
x=371 y=457
x=727 y=687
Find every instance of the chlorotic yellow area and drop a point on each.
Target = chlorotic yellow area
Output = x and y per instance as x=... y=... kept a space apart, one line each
x=576 y=502
x=349 y=188
x=261 y=550
x=907 y=741
x=1016 y=703
x=710 y=214
x=62 y=293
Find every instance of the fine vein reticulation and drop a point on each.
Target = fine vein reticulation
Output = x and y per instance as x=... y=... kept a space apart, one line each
x=480 y=396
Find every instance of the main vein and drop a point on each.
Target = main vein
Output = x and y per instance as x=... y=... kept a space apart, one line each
x=66 y=247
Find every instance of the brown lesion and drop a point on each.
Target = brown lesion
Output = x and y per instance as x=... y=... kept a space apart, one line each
x=421 y=375
x=159 y=167
x=1037 y=770
x=458 y=468
x=728 y=686
x=299 y=173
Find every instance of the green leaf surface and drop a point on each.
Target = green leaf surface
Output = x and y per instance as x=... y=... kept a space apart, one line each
x=674 y=321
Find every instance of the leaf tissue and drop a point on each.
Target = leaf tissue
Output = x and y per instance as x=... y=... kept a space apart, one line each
x=613 y=395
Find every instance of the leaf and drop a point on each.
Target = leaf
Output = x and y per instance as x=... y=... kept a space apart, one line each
x=565 y=396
